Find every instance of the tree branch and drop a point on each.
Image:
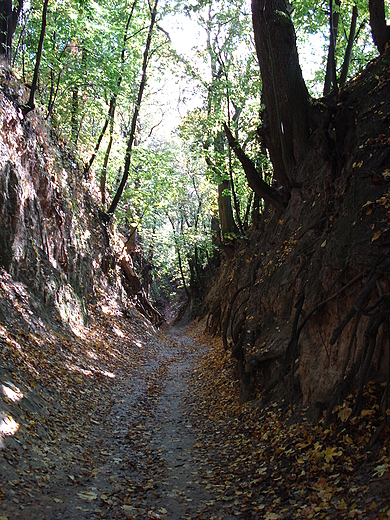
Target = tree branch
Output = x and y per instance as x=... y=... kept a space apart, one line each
x=261 y=188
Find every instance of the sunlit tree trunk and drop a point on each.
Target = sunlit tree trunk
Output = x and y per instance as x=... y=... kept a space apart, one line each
x=134 y=120
x=111 y=111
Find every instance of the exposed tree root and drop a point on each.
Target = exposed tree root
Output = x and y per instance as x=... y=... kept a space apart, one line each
x=228 y=314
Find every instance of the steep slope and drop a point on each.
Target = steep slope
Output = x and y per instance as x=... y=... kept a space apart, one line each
x=49 y=236
x=306 y=304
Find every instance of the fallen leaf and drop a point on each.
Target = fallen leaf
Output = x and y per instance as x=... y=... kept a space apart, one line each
x=330 y=453
x=87 y=495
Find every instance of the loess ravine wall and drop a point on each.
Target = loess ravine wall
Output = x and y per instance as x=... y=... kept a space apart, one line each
x=50 y=237
x=304 y=304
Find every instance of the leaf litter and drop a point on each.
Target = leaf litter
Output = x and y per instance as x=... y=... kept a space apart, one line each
x=121 y=420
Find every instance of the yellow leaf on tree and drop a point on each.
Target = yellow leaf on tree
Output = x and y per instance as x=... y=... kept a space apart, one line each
x=376 y=235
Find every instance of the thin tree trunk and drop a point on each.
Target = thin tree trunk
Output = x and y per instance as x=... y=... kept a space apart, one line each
x=74 y=112
x=130 y=141
x=110 y=116
x=235 y=118
x=111 y=110
x=179 y=257
x=21 y=38
x=103 y=177
x=30 y=104
x=53 y=93
x=348 y=51
x=331 y=75
x=226 y=219
x=248 y=210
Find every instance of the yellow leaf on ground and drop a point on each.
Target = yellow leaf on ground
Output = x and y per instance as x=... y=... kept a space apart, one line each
x=330 y=453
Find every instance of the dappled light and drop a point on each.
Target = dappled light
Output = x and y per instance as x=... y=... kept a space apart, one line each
x=11 y=392
x=8 y=426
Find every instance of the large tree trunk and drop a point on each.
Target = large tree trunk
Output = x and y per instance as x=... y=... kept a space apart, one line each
x=286 y=127
x=380 y=31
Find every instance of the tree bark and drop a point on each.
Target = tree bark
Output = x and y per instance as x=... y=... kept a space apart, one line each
x=286 y=126
x=111 y=111
x=177 y=245
x=74 y=126
x=228 y=225
x=103 y=175
x=380 y=31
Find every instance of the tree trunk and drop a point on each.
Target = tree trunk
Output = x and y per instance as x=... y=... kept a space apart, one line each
x=74 y=127
x=261 y=188
x=228 y=225
x=177 y=245
x=380 y=31
x=348 y=51
x=111 y=111
x=331 y=75
x=110 y=116
x=286 y=126
x=103 y=176
x=130 y=141
x=8 y=23
x=30 y=104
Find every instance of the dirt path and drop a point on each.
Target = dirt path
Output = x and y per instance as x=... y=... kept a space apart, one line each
x=147 y=443
x=137 y=461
